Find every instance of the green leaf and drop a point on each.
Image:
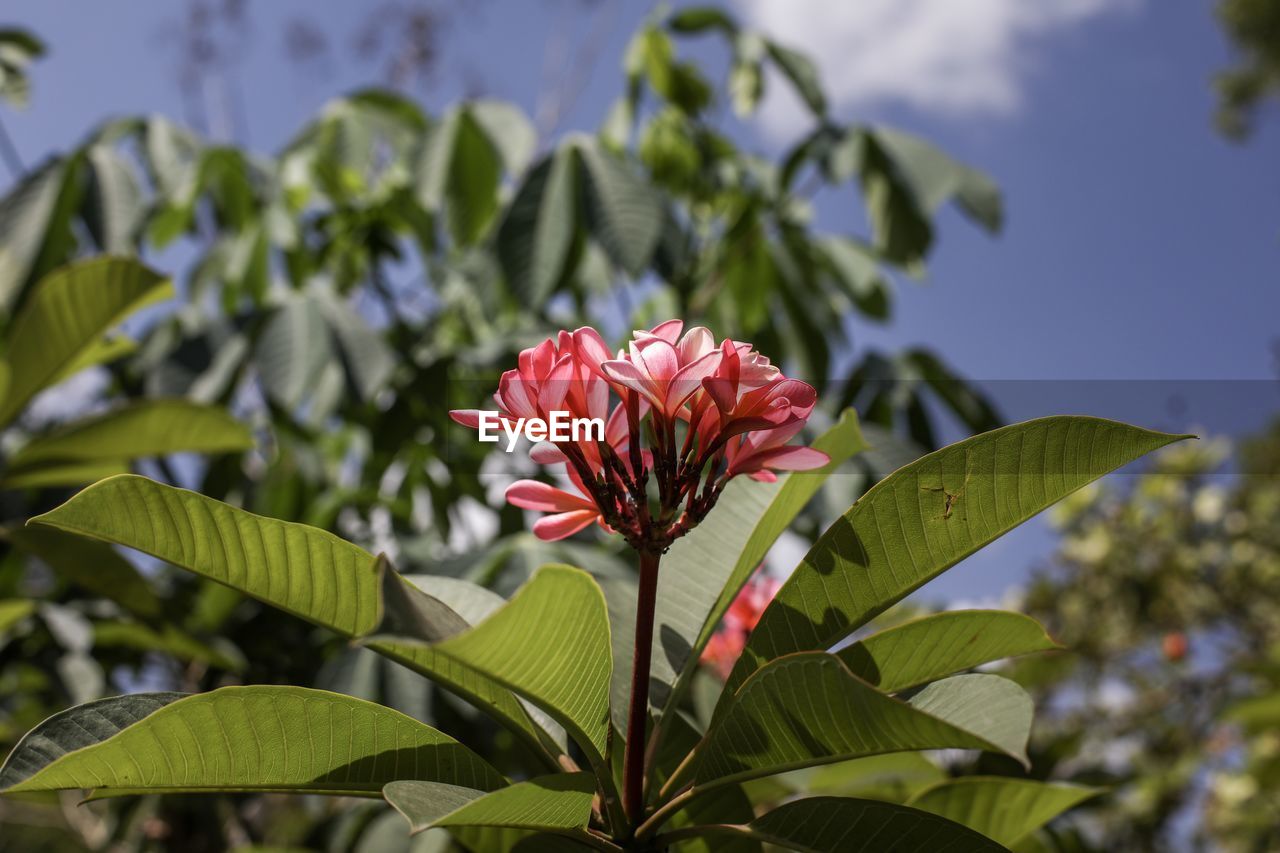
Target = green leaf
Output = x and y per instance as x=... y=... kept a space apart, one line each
x=698 y=19
x=623 y=211
x=926 y=517
x=802 y=74
x=264 y=739
x=475 y=171
x=68 y=312
x=13 y=611
x=797 y=712
x=550 y=644
x=508 y=129
x=931 y=647
x=935 y=178
x=137 y=429
x=293 y=350
x=560 y=803
x=1004 y=809
x=303 y=570
x=369 y=360
x=855 y=268
x=300 y=569
x=536 y=239
x=26 y=213
x=166 y=639
x=114 y=209
x=59 y=473
x=703 y=572
x=94 y=566
x=77 y=728
x=840 y=825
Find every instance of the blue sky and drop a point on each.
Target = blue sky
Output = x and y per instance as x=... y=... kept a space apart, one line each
x=1139 y=244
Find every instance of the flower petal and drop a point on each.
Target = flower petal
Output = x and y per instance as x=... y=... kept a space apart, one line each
x=552 y=527
x=535 y=495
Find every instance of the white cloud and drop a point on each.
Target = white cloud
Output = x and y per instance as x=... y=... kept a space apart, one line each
x=961 y=57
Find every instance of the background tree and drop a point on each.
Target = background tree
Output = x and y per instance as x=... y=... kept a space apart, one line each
x=343 y=293
x=1167 y=592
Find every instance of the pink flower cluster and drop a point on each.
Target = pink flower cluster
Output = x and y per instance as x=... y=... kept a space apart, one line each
x=680 y=411
x=726 y=644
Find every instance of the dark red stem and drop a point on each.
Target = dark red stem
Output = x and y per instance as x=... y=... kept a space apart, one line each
x=638 y=714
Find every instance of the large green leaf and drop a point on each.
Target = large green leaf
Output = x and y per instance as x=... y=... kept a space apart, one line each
x=926 y=517
x=1003 y=809
x=931 y=647
x=808 y=709
x=840 y=825
x=137 y=429
x=560 y=803
x=535 y=241
x=67 y=312
x=304 y=570
x=293 y=350
x=623 y=212
x=300 y=569
x=550 y=644
x=77 y=728
x=474 y=175
x=265 y=739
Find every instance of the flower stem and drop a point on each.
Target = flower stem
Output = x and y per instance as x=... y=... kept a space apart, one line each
x=638 y=714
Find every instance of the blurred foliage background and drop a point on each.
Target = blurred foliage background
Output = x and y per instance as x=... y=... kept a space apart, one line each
x=339 y=295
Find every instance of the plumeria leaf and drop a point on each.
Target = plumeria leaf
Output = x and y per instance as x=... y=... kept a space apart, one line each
x=926 y=517
x=560 y=803
x=300 y=569
x=623 y=212
x=797 y=712
x=549 y=644
x=1003 y=809
x=536 y=239
x=841 y=825
x=142 y=428
x=76 y=728
x=66 y=313
x=703 y=572
x=258 y=739
x=931 y=647
x=306 y=571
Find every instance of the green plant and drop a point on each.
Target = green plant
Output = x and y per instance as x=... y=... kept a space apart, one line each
x=549 y=664
x=90 y=610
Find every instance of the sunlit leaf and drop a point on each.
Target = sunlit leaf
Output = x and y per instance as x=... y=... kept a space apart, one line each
x=134 y=430
x=559 y=803
x=929 y=515
x=931 y=647
x=67 y=312
x=300 y=569
x=800 y=711
x=1003 y=809
x=258 y=739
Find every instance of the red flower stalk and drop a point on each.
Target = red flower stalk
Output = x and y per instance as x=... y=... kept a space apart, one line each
x=678 y=413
